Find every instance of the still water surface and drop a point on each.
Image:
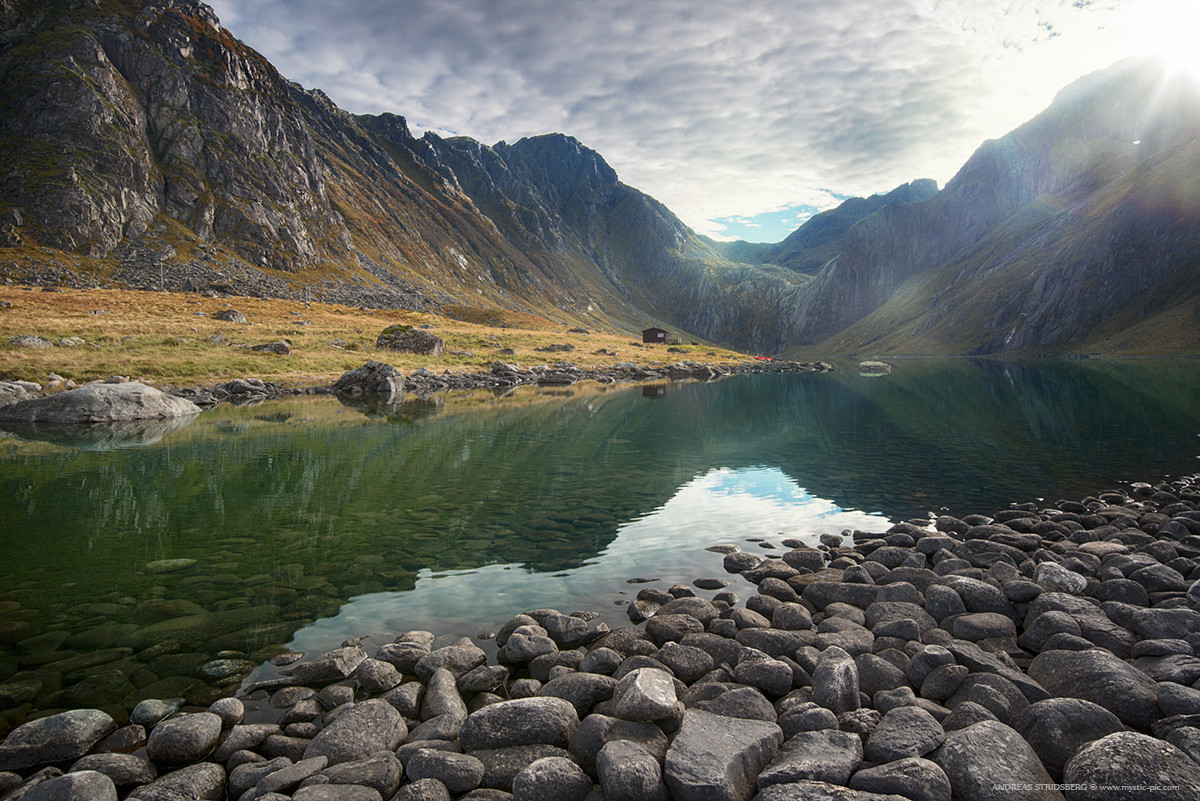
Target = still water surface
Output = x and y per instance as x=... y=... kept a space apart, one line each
x=302 y=523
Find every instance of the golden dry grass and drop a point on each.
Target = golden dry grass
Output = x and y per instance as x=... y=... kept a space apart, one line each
x=164 y=337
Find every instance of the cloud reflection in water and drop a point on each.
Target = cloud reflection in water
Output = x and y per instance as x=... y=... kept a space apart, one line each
x=721 y=506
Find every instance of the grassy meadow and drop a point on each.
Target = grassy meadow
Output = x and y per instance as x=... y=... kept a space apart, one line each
x=168 y=338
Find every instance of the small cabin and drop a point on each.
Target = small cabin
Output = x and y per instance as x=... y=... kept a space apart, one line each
x=654 y=336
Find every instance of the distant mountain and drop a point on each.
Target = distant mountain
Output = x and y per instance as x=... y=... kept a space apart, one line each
x=1078 y=231
x=144 y=145
x=813 y=244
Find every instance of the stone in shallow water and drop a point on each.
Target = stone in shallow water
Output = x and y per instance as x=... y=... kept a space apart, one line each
x=333 y=666
x=167 y=565
x=718 y=758
x=57 y=738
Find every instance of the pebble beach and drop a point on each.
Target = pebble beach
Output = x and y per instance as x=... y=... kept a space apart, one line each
x=1035 y=652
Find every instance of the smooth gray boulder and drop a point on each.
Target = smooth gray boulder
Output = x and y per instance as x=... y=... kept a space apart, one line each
x=811 y=790
x=365 y=729
x=332 y=792
x=376 y=676
x=645 y=694
x=552 y=779
x=100 y=403
x=1096 y=675
x=125 y=770
x=582 y=690
x=718 y=758
x=596 y=730
x=989 y=761
x=441 y=697
x=501 y=765
x=288 y=777
x=906 y=731
x=204 y=781
x=627 y=772
x=835 y=681
x=382 y=772
x=913 y=778
x=1104 y=768
x=183 y=740
x=1058 y=727
x=57 y=738
x=84 y=785
x=521 y=721
x=422 y=790
x=335 y=665
x=460 y=773
x=824 y=755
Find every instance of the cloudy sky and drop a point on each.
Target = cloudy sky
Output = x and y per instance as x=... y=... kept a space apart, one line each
x=743 y=116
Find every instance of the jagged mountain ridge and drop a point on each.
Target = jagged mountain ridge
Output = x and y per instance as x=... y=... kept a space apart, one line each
x=154 y=143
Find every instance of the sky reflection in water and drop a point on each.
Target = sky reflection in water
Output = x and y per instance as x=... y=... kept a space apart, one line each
x=668 y=544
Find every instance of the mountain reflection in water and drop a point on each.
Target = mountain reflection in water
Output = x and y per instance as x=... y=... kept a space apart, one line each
x=722 y=506
x=307 y=522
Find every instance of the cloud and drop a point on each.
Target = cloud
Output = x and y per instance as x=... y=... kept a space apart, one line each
x=718 y=109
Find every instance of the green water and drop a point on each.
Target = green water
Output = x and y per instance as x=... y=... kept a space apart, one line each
x=302 y=523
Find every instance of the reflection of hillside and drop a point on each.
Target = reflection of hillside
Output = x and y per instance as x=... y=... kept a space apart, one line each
x=352 y=504
x=100 y=436
x=959 y=430
x=668 y=543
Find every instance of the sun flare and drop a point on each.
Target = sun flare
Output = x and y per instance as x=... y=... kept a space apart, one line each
x=1171 y=33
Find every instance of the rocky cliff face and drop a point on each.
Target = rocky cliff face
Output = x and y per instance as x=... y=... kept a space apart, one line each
x=145 y=145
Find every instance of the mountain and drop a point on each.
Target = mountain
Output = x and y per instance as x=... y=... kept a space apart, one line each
x=1079 y=230
x=144 y=145
x=813 y=244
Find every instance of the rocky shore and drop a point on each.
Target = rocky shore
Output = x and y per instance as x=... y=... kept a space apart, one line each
x=1033 y=653
x=375 y=379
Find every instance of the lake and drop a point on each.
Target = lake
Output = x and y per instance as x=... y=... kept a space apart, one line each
x=174 y=563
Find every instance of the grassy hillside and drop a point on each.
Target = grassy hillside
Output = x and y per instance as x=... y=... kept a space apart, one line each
x=169 y=337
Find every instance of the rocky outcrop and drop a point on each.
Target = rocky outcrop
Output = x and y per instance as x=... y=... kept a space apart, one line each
x=99 y=403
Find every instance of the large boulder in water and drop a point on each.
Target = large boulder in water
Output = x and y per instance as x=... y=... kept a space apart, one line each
x=406 y=339
x=100 y=403
x=373 y=378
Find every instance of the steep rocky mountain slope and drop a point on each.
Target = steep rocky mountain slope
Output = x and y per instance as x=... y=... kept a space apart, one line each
x=1079 y=230
x=144 y=145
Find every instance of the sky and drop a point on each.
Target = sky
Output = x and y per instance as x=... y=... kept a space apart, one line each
x=744 y=117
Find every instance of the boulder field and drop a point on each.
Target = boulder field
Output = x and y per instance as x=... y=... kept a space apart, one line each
x=1034 y=653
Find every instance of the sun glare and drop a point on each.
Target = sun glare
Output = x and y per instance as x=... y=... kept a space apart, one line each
x=1170 y=32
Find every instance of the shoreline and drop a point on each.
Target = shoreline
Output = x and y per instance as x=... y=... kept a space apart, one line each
x=502 y=375
x=1026 y=648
